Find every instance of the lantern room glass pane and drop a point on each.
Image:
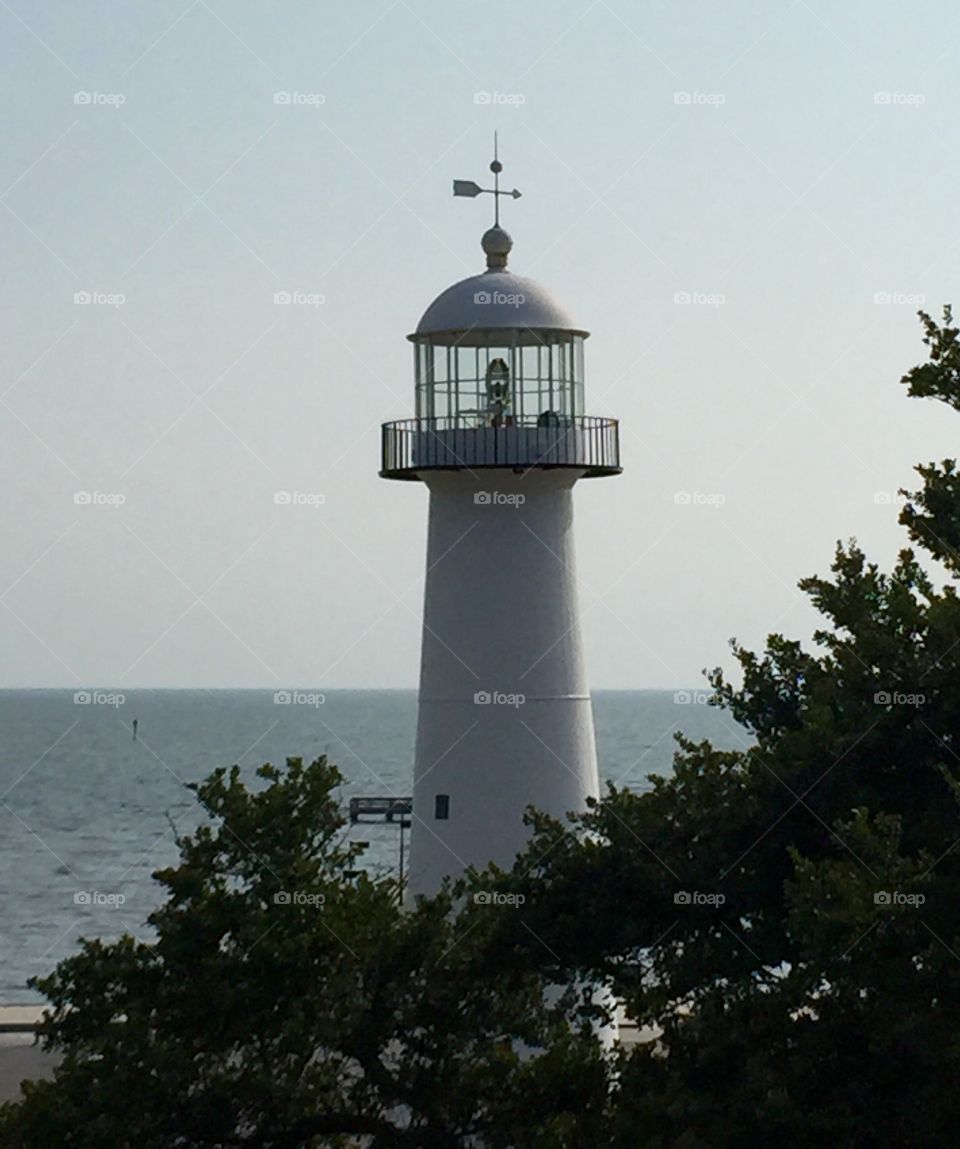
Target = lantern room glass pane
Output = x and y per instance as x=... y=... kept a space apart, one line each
x=538 y=381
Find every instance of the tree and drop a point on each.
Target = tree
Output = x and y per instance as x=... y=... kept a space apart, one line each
x=285 y=1004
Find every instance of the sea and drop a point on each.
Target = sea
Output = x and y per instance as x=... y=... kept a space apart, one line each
x=88 y=812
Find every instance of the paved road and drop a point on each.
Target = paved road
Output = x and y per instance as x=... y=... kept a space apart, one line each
x=20 y=1058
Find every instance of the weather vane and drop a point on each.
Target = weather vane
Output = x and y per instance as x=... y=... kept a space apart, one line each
x=469 y=188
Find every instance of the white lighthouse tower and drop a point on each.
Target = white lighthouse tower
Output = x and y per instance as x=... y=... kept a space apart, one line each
x=500 y=438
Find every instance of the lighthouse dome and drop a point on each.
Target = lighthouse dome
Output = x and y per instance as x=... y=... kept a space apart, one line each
x=491 y=302
x=481 y=308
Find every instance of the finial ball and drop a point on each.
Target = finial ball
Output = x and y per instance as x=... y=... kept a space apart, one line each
x=496 y=167
x=496 y=243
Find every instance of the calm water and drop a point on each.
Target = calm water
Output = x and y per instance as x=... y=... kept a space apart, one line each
x=85 y=808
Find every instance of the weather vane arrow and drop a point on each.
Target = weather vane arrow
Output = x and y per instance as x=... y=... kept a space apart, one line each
x=471 y=189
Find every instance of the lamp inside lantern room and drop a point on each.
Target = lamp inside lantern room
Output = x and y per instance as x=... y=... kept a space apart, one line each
x=498 y=392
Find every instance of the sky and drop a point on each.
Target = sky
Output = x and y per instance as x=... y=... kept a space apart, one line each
x=745 y=204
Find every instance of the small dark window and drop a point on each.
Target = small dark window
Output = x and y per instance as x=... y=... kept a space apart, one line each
x=441 y=807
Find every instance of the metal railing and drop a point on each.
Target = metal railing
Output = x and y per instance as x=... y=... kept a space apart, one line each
x=586 y=442
x=380 y=809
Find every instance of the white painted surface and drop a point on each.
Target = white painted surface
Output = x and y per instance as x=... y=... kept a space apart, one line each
x=560 y=444
x=496 y=300
x=500 y=616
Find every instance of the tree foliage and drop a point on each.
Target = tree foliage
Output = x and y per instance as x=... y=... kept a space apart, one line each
x=286 y=1004
x=819 y=1000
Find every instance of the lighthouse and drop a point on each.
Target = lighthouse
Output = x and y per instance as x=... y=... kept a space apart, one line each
x=500 y=438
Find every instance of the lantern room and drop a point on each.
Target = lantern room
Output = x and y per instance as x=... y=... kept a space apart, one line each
x=496 y=350
x=499 y=381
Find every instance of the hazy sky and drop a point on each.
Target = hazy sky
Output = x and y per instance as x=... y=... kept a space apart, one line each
x=791 y=167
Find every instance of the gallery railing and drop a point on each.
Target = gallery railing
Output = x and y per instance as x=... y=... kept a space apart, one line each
x=586 y=442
